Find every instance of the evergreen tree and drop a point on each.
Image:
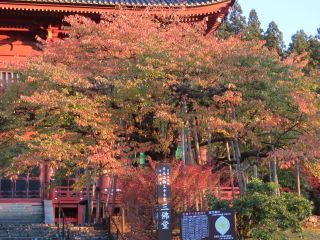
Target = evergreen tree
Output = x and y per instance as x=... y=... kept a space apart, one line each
x=274 y=38
x=314 y=49
x=318 y=35
x=254 y=30
x=300 y=43
x=237 y=20
x=234 y=24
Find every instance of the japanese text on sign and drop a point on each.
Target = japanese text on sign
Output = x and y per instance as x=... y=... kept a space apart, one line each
x=163 y=199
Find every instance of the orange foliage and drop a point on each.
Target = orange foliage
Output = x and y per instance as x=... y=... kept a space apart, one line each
x=139 y=187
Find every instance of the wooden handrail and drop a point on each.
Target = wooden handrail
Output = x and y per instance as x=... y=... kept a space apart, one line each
x=69 y=194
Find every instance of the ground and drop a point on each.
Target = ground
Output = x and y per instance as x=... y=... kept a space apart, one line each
x=308 y=234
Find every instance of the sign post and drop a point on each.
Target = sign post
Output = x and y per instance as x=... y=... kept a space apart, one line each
x=163 y=199
x=210 y=225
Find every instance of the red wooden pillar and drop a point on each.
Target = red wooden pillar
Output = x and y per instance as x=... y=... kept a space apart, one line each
x=81 y=214
x=45 y=177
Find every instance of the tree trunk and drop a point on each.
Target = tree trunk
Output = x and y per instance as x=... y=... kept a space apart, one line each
x=197 y=202
x=231 y=171
x=98 y=207
x=196 y=140
x=88 y=194
x=209 y=147
x=239 y=167
x=183 y=143
x=108 y=195
x=114 y=195
x=275 y=176
x=255 y=169
x=123 y=220
x=298 y=178
x=245 y=173
x=270 y=171
x=237 y=153
x=275 y=170
x=191 y=159
x=93 y=186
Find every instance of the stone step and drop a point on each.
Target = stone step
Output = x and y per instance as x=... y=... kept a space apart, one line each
x=46 y=232
x=33 y=237
x=21 y=213
x=36 y=229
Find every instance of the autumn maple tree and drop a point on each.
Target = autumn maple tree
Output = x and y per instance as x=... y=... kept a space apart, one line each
x=134 y=84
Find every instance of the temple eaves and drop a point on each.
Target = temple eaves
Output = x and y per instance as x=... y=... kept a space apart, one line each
x=127 y=3
x=187 y=8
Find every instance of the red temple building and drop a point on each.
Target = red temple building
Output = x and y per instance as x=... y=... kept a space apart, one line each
x=21 y=22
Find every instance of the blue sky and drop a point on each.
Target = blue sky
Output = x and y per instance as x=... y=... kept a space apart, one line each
x=290 y=15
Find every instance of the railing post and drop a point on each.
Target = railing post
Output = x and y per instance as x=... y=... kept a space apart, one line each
x=27 y=181
x=108 y=222
x=13 y=186
x=59 y=215
x=63 y=237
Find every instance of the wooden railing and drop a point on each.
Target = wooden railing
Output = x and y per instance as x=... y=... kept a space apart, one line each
x=70 y=195
x=225 y=193
x=20 y=194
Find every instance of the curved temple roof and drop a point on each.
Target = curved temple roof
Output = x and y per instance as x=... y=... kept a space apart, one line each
x=185 y=8
x=21 y=19
x=159 y=3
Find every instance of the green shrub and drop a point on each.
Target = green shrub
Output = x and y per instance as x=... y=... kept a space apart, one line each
x=288 y=179
x=261 y=214
x=217 y=204
x=257 y=186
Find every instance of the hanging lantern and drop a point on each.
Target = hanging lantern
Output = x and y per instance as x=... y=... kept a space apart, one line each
x=143 y=158
x=179 y=153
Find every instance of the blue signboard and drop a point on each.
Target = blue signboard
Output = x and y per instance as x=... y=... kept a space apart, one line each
x=210 y=225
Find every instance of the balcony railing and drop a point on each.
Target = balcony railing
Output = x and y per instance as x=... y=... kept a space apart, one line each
x=20 y=194
x=71 y=195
